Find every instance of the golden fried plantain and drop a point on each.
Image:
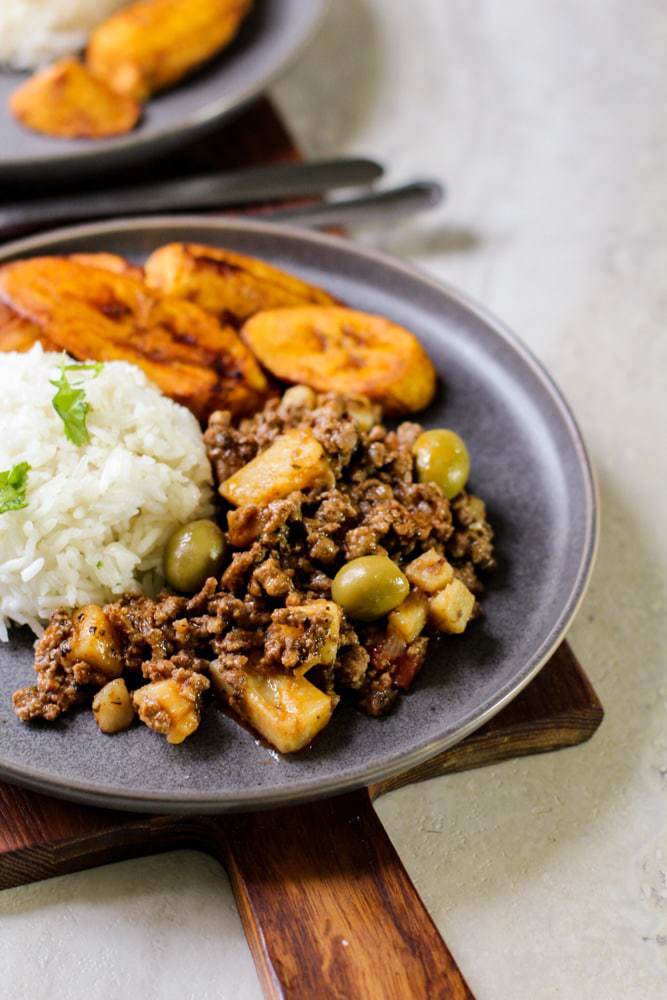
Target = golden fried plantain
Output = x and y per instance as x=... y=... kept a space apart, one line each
x=342 y=350
x=66 y=100
x=108 y=262
x=152 y=44
x=18 y=333
x=230 y=285
x=94 y=314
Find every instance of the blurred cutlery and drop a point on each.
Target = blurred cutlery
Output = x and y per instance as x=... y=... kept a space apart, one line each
x=219 y=190
x=377 y=205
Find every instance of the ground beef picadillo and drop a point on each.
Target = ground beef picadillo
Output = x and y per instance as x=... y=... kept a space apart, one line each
x=282 y=558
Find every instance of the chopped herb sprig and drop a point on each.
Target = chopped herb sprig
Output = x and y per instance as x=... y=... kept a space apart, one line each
x=70 y=402
x=13 y=486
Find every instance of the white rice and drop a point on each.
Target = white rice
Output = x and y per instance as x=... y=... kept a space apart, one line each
x=97 y=516
x=34 y=32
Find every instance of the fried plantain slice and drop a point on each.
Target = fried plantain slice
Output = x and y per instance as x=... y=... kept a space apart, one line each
x=342 y=350
x=108 y=262
x=152 y=44
x=18 y=333
x=94 y=314
x=67 y=101
x=230 y=285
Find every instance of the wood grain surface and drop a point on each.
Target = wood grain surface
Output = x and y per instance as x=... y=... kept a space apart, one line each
x=332 y=888
x=558 y=709
x=326 y=904
x=327 y=907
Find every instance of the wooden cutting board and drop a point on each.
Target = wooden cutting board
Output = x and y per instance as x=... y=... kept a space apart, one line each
x=327 y=907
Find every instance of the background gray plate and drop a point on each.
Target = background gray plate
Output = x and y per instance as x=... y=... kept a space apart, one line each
x=529 y=464
x=272 y=33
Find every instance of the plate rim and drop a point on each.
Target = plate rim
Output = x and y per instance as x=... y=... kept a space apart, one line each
x=196 y=123
x=184 y=801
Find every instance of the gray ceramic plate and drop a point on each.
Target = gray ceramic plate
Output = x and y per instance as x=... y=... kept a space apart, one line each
x=528 y=462
x=270 y=36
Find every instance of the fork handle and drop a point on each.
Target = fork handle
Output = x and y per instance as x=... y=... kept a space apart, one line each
x=384 y=206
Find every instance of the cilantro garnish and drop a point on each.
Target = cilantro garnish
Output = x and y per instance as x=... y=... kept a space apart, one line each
x=13 y=485
x=70 y=402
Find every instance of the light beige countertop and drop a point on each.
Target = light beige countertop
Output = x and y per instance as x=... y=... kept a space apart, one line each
x=547 y=876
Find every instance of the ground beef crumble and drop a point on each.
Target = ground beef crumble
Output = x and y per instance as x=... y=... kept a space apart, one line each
x=282 y=558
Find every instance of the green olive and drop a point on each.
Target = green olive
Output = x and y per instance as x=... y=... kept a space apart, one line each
x=369 y=587
x=193 y=553
x=442 y=457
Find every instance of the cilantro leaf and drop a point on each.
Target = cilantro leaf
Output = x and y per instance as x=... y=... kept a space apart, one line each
x=70 y=402
x=13 y=485
x=71 y=406
x=96 y=368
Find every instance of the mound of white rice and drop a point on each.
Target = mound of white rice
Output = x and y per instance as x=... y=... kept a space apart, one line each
x=34 y=32
x=97 y=516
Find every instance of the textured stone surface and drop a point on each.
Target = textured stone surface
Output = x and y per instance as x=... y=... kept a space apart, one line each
x=546 y=876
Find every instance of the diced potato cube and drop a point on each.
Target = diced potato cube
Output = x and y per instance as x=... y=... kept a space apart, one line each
x=112 y=707
x=303 y=636
x=171 y=707
x=430 y=572
x=294 y=461
x=297 y=397
x=476 y=508
x=94 y=641
x=328 y=615
x=285 y=709
x=363 y=412
x=452 y=607
x=409 y=618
